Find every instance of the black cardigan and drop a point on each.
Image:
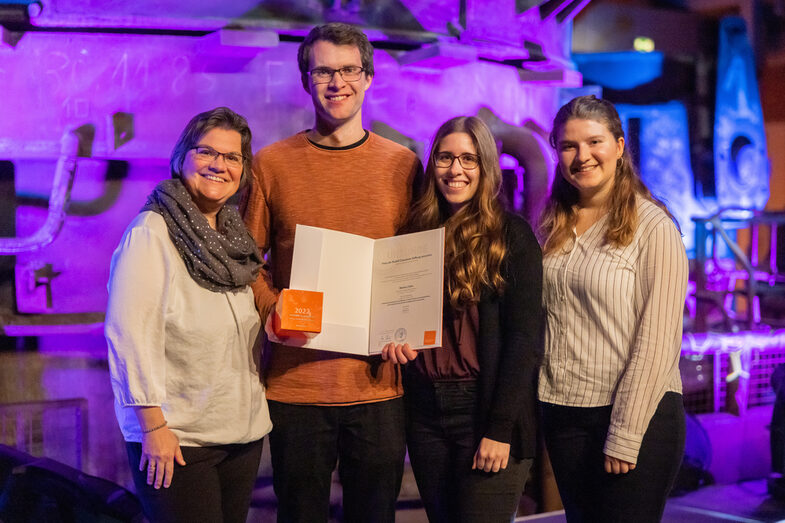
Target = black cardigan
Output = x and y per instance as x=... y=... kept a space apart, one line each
x=510 y=345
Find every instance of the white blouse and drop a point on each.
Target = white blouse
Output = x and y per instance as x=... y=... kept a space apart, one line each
x=193 y=352
x=614 y=325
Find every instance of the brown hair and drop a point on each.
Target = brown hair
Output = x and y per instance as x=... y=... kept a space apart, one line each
x=338 y=34
x=474 y=247
x=201 y=124
x=558 y=218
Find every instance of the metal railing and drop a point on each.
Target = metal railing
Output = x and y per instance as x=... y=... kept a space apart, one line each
x=725 y=270
x=55 y=429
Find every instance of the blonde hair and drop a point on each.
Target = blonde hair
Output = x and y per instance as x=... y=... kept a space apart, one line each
x=474 y=245
x=558 y=218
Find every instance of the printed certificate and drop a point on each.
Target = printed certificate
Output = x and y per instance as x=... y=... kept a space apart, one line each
x=375 y=291
x=407 y=289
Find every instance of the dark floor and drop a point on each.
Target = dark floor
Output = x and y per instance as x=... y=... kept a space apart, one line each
x=742 y=502
x=745 y=501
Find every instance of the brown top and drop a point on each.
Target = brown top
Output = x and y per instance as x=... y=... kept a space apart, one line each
x=456 y=359
x=362 y=190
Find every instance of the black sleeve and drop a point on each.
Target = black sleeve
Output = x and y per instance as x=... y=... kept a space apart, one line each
x=521 y=344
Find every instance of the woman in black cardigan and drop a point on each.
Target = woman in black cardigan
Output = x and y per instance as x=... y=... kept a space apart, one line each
x=470 y=403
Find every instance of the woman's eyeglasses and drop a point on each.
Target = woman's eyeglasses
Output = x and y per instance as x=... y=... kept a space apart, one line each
x=445 y=160
x=206 y=154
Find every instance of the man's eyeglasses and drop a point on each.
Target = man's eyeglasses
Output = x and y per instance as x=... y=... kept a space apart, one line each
x=467 y=160
x=206 y=154
x=324 y=75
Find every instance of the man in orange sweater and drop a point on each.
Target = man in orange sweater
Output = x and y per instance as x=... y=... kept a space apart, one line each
x=327 y=407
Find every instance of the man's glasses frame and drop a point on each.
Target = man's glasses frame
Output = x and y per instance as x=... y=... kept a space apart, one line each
x=324 y=75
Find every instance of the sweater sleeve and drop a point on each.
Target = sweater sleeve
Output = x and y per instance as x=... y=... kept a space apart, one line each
x=256 y=214
x=660 y=290
x=521 y=324
x=140 y=277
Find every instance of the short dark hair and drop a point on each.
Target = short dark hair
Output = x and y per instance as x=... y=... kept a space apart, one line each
x=201 y=124
x=338 y=34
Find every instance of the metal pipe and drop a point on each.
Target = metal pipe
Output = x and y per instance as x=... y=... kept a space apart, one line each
x=58 y=202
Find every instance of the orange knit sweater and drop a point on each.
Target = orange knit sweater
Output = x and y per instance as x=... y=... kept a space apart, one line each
x=363 y=190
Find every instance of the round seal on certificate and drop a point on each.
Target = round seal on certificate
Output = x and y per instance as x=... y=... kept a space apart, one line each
x=400 y=335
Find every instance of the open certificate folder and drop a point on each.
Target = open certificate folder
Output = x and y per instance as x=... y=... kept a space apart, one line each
x=375 y=291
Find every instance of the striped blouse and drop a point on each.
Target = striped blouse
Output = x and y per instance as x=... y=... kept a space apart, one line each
x=614 y=325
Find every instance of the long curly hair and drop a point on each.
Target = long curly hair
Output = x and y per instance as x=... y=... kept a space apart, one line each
x=559 y=217
x=474 y=235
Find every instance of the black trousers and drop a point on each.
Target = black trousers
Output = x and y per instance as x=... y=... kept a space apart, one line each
x=440 y=434
x=575 y=438
x=214 y=486
x=368 y=443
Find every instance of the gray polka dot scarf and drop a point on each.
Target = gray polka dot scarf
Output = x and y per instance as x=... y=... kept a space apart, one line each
x=219 y=260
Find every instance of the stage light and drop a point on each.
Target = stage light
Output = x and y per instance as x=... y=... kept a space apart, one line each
x=643 y=44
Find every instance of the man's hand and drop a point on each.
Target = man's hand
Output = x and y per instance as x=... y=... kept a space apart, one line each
x=398 y=353
x=268 y=327
x=294 y=341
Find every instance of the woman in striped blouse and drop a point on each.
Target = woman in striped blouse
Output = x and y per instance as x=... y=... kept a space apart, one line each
x=615 y=279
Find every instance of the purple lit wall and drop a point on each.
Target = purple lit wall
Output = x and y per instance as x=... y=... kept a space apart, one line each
x=132 y=94
x=119 y=80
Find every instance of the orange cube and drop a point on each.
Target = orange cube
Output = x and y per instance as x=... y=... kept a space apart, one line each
x=298 y=313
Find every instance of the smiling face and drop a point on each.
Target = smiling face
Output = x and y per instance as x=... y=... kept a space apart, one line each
x=337 y=103
x=457 y=184
x=588 y=154
x=211 y=182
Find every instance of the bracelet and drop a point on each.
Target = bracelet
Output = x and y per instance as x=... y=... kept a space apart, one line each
x=162 y=425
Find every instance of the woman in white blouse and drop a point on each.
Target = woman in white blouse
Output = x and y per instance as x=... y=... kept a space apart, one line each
x=615 y=279
x=183 y=330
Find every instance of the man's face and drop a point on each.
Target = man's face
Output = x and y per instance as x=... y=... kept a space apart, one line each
x=337 y=102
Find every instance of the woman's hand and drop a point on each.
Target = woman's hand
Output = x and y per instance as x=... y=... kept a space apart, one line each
x=160 y=449
x=491 y=455
x=617 y=466
x=398 y=353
